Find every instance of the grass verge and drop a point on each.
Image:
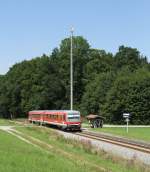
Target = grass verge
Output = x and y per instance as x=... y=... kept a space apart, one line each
x=140 y=133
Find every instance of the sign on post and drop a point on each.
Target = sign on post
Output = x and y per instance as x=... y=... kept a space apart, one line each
x=126 y=116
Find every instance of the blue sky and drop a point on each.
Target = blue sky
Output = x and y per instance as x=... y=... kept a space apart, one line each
x=29 y=28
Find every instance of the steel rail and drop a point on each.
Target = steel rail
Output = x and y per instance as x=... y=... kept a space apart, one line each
x=121 y=139
x=116 y=141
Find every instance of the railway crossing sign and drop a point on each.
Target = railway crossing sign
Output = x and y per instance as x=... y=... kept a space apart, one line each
x=126 y=116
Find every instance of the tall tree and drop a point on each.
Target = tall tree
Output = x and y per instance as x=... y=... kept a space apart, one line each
x=94 y=97
x=131 y=57
x=80 y=58
x=130 y=93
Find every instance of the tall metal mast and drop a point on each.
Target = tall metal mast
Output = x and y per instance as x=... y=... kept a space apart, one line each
x=71 y=69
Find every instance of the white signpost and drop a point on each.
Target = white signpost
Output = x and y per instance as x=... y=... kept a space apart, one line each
x=126 y=116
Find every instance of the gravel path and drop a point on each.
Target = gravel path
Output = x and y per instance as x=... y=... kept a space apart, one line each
x=130 y=126
x=119 y=126
x=116 y=150
x=10 y=130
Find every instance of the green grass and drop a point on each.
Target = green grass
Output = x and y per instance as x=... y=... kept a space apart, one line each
x=140 y=133
x=5 y=122
x=81 y=151
x=16 y=155
x=55 y=154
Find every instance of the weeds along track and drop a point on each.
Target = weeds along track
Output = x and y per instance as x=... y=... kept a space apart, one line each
x=136 y=145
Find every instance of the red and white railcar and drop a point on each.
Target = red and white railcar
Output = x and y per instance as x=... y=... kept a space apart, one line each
x=64 y=119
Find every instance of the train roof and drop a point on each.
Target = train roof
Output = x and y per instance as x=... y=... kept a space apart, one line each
x=64 y=111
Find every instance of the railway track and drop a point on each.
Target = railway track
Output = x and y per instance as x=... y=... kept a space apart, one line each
x=124 y=142
x=136 y=145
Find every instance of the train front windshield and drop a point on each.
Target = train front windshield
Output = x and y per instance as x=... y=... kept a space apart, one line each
x=73 y=117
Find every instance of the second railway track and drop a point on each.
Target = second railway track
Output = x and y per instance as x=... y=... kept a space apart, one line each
x=135 y=145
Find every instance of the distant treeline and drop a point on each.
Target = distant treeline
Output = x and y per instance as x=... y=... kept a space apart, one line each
x=104 y=84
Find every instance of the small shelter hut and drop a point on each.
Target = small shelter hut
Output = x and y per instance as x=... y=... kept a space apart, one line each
x=95 y=121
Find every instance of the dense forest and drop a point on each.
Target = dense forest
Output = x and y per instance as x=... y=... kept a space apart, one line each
x=104 y=84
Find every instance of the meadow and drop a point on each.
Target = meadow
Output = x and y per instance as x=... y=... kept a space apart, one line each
x=44 y=150
x=139 y=133
x=6 y=122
